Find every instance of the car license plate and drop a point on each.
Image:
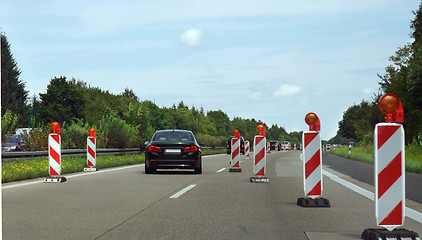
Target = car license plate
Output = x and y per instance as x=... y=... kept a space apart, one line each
x=173 y=151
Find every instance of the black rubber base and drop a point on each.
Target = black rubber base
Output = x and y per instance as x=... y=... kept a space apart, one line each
x=309 y=202
x=55 y=180
x=260 y=179
x=384 y=234
x=235 y=170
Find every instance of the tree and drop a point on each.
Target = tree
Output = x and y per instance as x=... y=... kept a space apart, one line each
x=359 y=121
x=128 y=93
x=416 y=26
x=221 y=122
x=63 y=102
x=13 y=93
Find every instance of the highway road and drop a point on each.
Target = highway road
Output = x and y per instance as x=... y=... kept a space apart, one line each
x=125 y=203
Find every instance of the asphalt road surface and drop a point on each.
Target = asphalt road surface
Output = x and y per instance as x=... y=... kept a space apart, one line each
x=125 y=203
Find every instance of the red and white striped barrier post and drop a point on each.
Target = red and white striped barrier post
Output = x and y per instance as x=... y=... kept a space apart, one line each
x=260 y=156
x=54 y=155
x=276 y=147
x=247 y=149
x=389 y=173
x=268 y=147
x=235 y=152
x=91 y=151
x=312 y=165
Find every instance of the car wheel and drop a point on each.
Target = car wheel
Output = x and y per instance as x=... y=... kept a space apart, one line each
x=198 y=170
x=148 y=170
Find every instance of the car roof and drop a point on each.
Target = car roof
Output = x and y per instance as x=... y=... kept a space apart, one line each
x=173 y=130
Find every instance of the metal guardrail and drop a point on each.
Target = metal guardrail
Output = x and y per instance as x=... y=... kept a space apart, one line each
x=12 y=156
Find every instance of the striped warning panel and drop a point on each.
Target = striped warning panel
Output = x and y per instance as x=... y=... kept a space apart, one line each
x=389 y=172
x=312 y=168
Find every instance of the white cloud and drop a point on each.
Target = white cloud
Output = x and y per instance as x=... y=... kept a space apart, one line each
x=287 y=90
x=367 y=90
x=192 y=38
x=255 y=95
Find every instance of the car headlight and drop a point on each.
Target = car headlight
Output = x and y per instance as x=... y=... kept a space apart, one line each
x=13 y=147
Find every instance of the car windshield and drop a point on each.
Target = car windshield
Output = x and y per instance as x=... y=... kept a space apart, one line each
x=13 y=139
x=173 y=137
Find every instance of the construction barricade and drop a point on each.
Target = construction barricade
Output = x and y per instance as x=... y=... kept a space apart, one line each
x=260 y=156
x=247 y=150
x=235 y=152
x=312 y=165
x=389 y=173
x=91 y=151
x=54 y=155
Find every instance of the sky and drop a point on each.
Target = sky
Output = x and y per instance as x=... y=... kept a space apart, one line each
x=271 y=60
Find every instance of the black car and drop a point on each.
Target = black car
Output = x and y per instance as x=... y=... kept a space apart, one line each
x=14 y=143
x=273 y=145
x=173 y=149
x=242 y=145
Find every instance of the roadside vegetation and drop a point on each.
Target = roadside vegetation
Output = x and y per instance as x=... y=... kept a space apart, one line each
x=120 y=120
x=38 y=167
x=402 y=77
x=413 y=155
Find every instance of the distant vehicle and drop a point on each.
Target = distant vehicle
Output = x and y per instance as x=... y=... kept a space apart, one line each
x=273 y=145
x=229 y=145
x=173 y=149
x=14 y=143
x=328 y=147
x=286 y=146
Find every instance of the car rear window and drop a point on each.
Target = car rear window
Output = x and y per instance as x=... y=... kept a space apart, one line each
x=173 y=137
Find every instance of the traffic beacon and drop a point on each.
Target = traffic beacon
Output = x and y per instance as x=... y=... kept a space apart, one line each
x=54 y=156
x=235 y=152
x=91 y=151
x=260 y=155
x=389 y=173
x=312 y=165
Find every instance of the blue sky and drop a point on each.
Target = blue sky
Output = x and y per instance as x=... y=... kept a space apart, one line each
x=270 y=60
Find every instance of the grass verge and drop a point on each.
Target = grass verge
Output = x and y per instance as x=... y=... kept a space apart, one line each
x=35 y=168
x=413 y=157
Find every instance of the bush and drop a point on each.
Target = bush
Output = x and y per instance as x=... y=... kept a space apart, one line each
x=114 y=132
x=37 y=140
x=74 y=136
x=211 y=141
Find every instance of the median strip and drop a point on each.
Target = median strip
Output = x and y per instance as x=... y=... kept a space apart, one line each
x=183 y=191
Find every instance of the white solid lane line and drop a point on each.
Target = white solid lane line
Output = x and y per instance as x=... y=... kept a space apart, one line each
x=415 y=215
x=72 y=176
x=183 y=191
x=221 y=170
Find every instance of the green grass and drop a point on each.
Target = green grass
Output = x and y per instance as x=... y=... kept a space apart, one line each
x=413 y=156
x=213 y=151
x=34 y=168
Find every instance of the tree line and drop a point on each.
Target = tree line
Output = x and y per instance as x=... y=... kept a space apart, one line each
x=402 y=77
x=120 y=120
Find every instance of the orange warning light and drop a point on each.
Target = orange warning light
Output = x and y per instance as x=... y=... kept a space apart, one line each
x=92 y=132
x=311 y=119
x=260 y=128
x=236 y=133
x=55 y=127
x=389 y=103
